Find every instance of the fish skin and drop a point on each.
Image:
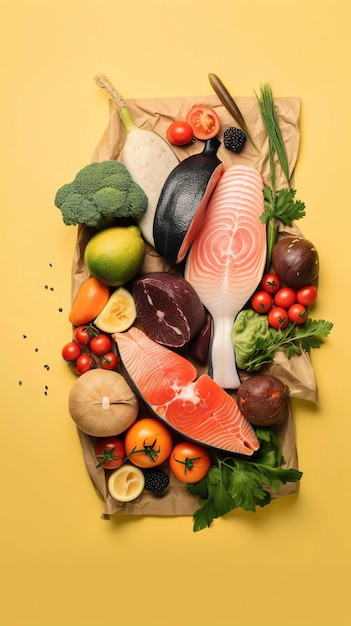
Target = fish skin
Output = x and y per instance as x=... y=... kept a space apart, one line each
x=196 y=407
x=226 y=261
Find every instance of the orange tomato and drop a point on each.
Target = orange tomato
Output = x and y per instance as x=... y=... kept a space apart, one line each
x=148 y=442
x=189 y=462
x=89 y=302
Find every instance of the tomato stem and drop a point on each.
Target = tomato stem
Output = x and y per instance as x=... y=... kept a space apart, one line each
x=149 y=450
x=106 y=455
x=189 y=462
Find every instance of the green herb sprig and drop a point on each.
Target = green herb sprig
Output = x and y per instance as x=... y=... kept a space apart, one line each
x=233 y=482
x=291 y=340
x=278 y=205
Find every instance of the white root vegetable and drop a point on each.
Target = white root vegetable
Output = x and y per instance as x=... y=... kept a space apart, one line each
x=148 y=158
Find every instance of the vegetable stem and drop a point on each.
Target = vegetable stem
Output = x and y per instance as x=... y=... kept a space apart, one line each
x=120 y=103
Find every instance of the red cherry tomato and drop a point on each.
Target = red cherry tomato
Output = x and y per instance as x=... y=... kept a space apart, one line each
x=307 y=295
x=297 y=314
x=270 y=282
x=278 y=318
x=84 y=363
x=109 y=452
x=109 y=361
x=285 y=297
x=71 y=351
x=100 y=344
x=179 y=133
x=204 y=122
x=189 y=462
x=83 y=335
x=261 y=302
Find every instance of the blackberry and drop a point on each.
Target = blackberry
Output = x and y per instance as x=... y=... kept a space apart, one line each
x=234 y=139
x=156 y=480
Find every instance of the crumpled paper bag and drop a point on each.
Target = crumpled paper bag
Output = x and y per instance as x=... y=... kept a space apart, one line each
x=156 y=114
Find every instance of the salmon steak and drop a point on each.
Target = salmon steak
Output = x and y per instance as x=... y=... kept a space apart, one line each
x=226 y=261
x=196 y=407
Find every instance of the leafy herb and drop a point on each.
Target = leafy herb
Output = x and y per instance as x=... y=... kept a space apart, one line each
x=291 y=340
x=233 y=482
x=279 y=205
x=283 y=206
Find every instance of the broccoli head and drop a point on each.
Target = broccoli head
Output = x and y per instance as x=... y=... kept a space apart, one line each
x=100 y=193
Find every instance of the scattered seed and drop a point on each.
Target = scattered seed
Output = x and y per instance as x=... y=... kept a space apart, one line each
x=51 y=289
x=46 y=286
x=60 y=309
x=50 y=264
x=36 y=350
x=20 y=382
x=24 y=336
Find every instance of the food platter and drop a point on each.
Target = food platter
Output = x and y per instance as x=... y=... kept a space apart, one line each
x=155 y=114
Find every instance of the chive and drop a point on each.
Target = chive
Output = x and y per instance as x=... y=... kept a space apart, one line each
x=270 y=120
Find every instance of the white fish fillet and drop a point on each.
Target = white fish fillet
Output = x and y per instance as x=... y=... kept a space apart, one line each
x=226 y=261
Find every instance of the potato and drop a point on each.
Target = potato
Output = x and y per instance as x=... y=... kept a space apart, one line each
x=263 y=400
x=296 y=261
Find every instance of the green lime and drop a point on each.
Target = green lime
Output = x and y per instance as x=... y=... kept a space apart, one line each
x=114 y=255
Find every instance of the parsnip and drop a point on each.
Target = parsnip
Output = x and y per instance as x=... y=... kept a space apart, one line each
x=148 y=158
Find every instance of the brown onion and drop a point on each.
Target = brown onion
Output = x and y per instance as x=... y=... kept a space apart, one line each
x=263 y=400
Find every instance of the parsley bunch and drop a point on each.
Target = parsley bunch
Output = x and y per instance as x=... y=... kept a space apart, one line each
x=291 y=340
x=233 y=482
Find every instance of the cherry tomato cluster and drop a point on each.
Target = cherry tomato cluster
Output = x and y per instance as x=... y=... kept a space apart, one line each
x=201 y=122
x=282 y=305
x=148 y=443
x=89 y=349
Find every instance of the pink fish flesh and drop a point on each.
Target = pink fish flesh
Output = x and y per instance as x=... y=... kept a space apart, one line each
x=226 y=261
x=197 y=408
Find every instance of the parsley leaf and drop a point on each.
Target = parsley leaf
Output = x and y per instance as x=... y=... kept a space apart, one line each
x=233 y=482
x=282 y=205
x=291 y=340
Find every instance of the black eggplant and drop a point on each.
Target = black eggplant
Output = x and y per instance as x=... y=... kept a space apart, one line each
x=183 y=201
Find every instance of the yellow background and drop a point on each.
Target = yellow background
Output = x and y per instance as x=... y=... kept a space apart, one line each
x=61 y=565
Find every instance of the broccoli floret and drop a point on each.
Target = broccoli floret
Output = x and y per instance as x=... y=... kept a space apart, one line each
x=99 y=194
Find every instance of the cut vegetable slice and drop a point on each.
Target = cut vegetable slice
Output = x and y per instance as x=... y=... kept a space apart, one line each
x=118 y=314
x=126 y=483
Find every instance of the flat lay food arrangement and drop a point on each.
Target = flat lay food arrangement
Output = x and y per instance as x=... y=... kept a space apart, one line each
x=193 y=291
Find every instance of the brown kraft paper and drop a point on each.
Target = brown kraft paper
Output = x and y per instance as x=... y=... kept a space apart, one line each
x=156 y=114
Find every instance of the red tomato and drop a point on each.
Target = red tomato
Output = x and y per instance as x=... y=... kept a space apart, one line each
x=307 y=295
x=110 y=452
x=189 y=462
x=298 y=314
x=270 y=282
x=109 y=361
x=285 y=297
x=148 y=442
x=100 y=344
x=261 y=302
x=179 y=133
x=204 y=122
x=83 y=335
x=84 y=363
x=71 y=351
x=278 y=318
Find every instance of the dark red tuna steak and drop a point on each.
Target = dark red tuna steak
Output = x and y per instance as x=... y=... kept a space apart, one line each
x=183 y=201
x=168 y=308
x=197 y=408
